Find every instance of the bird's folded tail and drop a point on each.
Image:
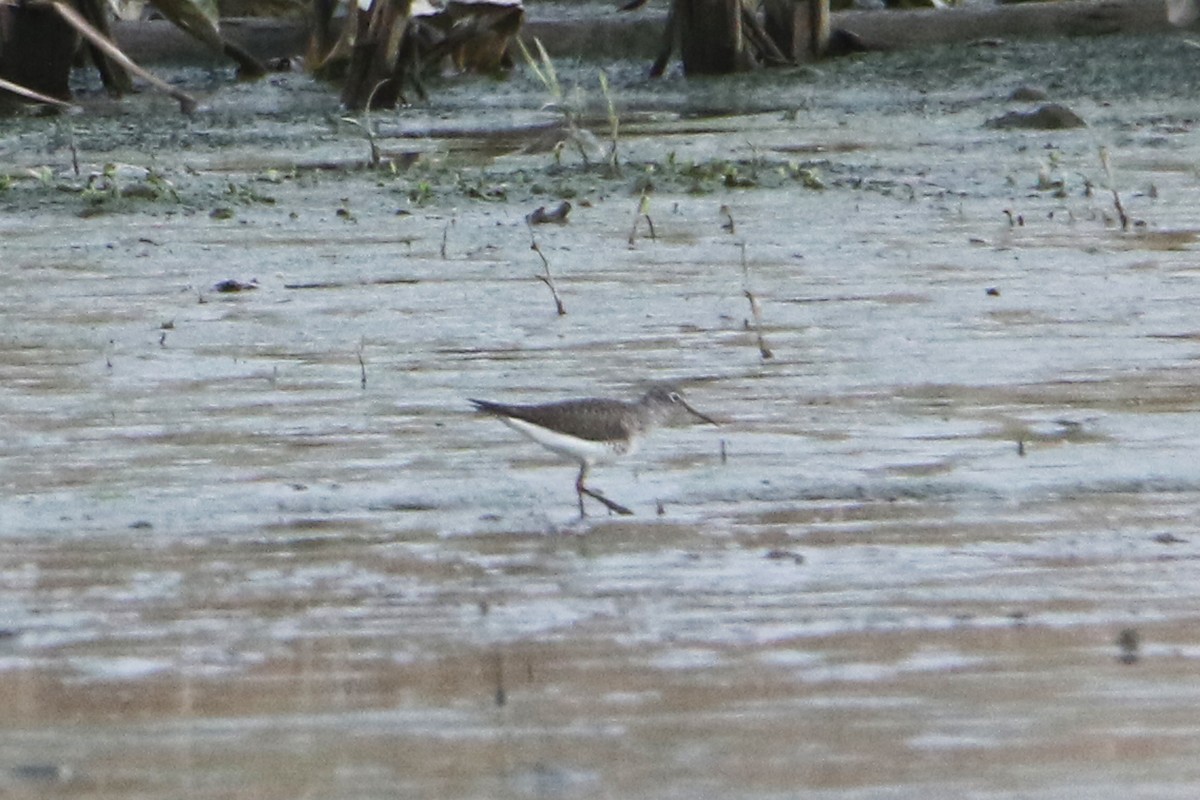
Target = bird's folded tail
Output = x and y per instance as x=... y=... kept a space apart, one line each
x=488 y=407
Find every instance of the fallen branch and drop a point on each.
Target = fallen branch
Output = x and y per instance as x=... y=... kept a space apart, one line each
x=30 y=94
x=894 y=30
x=187 y=104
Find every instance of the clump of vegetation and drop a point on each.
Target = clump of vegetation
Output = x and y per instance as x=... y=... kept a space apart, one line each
x=706 y=177
x=575 y=135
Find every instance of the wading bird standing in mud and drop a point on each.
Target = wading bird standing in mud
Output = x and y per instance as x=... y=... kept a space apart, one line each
x=593 y=430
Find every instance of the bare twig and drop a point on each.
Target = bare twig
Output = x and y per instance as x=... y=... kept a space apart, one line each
x=756 y=312
x=362 y=365
x=755 y=309
x=74 y=150
x=366 y=126
x=614 y=123
x=643 y=212
x=1121 y=215
x=728 y=225
x=501 y=695
x=546 y=277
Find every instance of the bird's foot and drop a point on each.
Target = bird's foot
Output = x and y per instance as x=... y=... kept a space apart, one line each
x=611 y=505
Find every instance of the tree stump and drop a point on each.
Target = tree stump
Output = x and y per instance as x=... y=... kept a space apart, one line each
x=799 y=27
x=710 y=37
x=37 y=49
x=717 y=37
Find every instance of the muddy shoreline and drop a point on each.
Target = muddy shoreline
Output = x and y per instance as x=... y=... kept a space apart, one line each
x=255 y=543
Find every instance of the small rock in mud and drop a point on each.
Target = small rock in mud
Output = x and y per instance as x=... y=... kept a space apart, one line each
x=231 y=285
x=780 y=554
x=541 y=216
x=1051 y=116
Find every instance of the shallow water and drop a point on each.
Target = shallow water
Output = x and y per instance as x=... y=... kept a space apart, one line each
x=229 y=566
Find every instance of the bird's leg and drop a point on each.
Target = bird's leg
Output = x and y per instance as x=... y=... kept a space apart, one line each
x=581 y=490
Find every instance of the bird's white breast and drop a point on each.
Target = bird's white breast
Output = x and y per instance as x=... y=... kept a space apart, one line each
x=584 y=450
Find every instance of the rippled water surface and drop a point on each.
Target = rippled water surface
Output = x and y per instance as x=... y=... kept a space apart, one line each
x=256 y=544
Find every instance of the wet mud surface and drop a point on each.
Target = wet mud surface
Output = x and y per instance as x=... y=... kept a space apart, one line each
x=256 y=544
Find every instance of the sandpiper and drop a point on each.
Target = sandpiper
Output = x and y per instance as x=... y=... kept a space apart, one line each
x=593 y=430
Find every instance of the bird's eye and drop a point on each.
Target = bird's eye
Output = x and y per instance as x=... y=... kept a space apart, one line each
x=674 y=397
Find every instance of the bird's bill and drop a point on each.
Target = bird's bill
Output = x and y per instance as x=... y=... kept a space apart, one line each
x=697 y=414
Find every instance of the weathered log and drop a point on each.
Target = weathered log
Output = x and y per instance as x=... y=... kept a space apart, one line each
x=925 y=27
